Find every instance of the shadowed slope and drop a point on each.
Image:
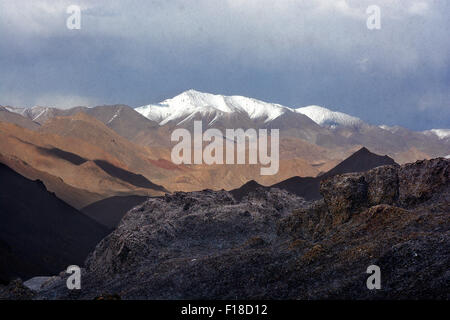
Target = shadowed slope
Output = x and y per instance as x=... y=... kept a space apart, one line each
x=110 y=211
x=39 y=232
x=137 y=180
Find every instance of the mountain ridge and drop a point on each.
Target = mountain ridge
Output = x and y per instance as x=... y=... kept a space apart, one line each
x=179 y=108
x=308 y=187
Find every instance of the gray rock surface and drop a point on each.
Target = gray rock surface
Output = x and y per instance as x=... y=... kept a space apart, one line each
x=37 y=283
x=274 y=245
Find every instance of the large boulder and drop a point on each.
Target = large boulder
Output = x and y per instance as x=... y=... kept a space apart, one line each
x=194 y=223
x=419 y=181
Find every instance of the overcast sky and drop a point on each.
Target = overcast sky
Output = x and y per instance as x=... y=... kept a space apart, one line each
x=292 y=52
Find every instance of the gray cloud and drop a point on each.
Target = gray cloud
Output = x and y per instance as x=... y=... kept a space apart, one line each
x=292 y=52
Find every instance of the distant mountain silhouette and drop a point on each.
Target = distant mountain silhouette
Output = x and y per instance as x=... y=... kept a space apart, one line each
x=308 y=187
x=39 y=233
x=361 y=160
x=245 y=189
x=111 y=210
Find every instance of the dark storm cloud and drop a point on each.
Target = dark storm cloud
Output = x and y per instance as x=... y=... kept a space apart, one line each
x=295 y=53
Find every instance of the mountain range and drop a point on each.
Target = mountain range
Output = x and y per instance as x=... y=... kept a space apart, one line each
x=313 y=124
x=184 y=107
x=110 y=211
x=85 y=155
x=242 y=112
x=71 y=176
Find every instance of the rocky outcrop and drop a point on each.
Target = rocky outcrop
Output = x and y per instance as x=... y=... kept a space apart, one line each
x=403 y=186
x=344 y=196
x=274 y=245
x=190 y=225
x=383 y=185
x=421 y=181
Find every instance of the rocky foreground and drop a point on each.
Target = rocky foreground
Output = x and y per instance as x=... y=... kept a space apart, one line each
x=275 y=245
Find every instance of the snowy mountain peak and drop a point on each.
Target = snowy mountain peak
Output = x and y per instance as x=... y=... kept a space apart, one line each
x=440 y=133
x=198 y=100
x=184 y=105
x=328 y=118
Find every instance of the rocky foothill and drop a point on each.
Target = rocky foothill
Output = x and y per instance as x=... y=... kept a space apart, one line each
x=275 y=245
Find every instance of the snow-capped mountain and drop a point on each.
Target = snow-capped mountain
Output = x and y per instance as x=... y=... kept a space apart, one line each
x=327 y=118
x=149 y=125
x=440 y=133
x=184 y=106
x=314 y=124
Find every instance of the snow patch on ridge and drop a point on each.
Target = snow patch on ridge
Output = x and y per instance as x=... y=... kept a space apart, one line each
x=40 y=114
x=116 y=114
x=440 y=133
x=325 y=117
